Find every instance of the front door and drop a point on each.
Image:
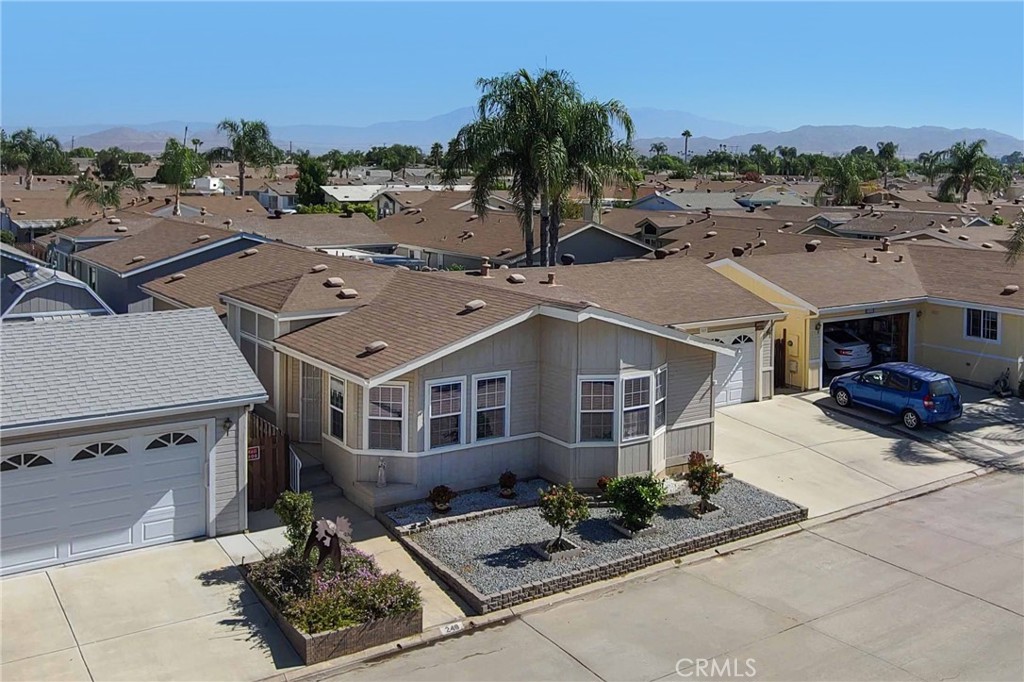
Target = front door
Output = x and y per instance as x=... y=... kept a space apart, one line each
x=310 y=403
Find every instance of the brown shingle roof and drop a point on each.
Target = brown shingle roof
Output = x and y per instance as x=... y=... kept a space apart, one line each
x=315 y=230
x=738 y=233
x=969 y=276
x=165 y=239
x=217 y=206
x=415 y=314
x=676 y=290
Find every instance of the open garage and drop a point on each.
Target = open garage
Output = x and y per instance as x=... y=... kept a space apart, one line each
x=851 y=343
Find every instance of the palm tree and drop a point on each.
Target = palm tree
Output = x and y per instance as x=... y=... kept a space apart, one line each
x=196 y=144
x=103 y=195
x=686 y=144
x=759 y=153
x=250 y=145
x=436 y=154
x=839 y=182
x=659 y=148
x=886 y=159
x=179 y=166
x=968 y=167
x=930 y=163
x=788 y=157
x=1015 y=245
x=30 y=151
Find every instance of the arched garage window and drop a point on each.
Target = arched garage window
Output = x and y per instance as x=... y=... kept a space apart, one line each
x=22 y=461
x=99 y=450
x=169 y=439
x=741 y=339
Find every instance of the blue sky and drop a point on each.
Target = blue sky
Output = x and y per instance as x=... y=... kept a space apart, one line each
x=778 y=65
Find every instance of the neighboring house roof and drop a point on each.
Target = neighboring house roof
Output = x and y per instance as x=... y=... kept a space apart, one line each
x=203 y=284
x=42 y=208
x=353 y=193
x=979 y=277
x=408 y=197
x=17 y=285
x=319 y=230
x=113 y=228
x=673 y=291
x=280 y=187
x=113 y=367
x=165 y=240
x=8 y=252
x=884 y=222
x=701 y=200
x=215 y=205
x=746 y=236
x=992 y=237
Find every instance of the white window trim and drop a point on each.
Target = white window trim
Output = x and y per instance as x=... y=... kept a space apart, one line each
x=331 y=409
x=621 y=405
x=429 y=416
x=404 y=385
x=614 y=378
x=654 y=394
x=507 y=376
x=982 y=339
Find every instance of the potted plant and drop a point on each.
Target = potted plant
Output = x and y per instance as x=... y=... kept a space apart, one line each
x=637 y=499
x=441 y=497
x=562 y=507
x=507 y=484
x=704 y=479
x=602 y=484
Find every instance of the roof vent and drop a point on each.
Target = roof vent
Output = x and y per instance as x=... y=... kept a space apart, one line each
x=873 y=259
x=114 y=221
x=662 y=254
x=248 y=210
x=376 y=346
x=138 y=259
x=176 y=276
x=16 y=199
x=787 y=224
x=951 y=218
x=986 y=245
x=202 y=210
x=473 y=217
x=736 y=251
x=120 y=228
x=475 y=304
x=964 y=237
x=202 y=237
x=899 y=258
x=516 y=278
x=762 y=242
x=1010 y=289
x=931 y=223
x=348 y=293
x=250 y=252
x=21 y=213
x=335 y=282
x=812 y=245
x=551 y=279
x=239 y=198
x=710 y=233
x=228 y=222
x=944 y=230
x=320 y=267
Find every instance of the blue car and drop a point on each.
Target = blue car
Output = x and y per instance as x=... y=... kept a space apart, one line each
x=917 y=394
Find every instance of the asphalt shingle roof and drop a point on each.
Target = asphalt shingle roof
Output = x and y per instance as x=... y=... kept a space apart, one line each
x=120 y=365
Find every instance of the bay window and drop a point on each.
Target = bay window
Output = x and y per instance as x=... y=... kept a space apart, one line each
x=636 y=407
x=444 y=412
x=490 y=404
x=597 y=410
x=386 y=417
x=660 y=395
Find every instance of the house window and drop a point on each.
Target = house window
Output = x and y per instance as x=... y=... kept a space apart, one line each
x=597 y=410
x=337 y=408
x=660 y=394
x=444 y=401
x=982 y=324
x=92 y=278
x=491 y=405
x=636 y=407
x=255 y=334
x=386 y=415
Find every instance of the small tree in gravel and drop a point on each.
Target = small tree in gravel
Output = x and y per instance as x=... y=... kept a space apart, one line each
x=296 y=512
x=704 y=478
x=636 y=498
x=562 y=507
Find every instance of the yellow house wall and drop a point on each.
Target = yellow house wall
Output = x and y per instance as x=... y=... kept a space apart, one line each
x=941 y=345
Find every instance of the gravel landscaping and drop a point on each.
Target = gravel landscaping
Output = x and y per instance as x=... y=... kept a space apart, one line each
x=527 y=493
x=492 y=554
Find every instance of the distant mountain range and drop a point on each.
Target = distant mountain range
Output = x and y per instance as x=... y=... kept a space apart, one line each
x=652 y=125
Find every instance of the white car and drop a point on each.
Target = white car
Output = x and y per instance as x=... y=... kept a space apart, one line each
x=845 y=350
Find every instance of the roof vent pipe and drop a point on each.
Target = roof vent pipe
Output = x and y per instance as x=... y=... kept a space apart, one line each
x=551 y=279
x=812 y=245
x=475 y=304
x=485 y=267
x=1010 y=289
x=138 y=259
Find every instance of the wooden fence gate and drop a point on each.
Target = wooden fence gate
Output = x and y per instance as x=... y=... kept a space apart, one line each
x=268 y=463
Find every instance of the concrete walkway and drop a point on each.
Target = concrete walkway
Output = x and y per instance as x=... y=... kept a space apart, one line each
x=804 y=449
x=928 y=588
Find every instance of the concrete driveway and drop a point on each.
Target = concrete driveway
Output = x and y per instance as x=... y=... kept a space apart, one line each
x=805 y=449
x=177 y=612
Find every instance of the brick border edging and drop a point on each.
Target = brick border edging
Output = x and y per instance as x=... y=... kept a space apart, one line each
x=482 y=603
x=324 y=646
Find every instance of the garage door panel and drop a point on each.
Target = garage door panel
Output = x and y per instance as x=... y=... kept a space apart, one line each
x=30 y=555
x=159 y=471
x=177 y=528
x=101 y=541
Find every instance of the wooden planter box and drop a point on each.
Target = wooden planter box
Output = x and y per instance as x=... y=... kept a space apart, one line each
x=324 y=646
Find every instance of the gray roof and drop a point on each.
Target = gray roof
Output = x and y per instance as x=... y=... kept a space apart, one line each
x=120 y=365
x=17 y=283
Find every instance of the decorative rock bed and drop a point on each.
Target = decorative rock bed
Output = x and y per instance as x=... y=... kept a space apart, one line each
x=409 y=518
x=489 y=561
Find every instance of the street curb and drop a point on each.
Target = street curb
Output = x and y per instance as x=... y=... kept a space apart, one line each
x=472 y=624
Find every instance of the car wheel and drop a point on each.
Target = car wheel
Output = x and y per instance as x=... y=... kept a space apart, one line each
x=911 y=420
x=843 y=398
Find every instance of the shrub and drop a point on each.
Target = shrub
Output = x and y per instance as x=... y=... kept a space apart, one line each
x=507 y=480
x=704 y=478
x=602 y=483
x=562 y=507
x=441 y=494
x=320 y=600
x=636 y=498
x=296 y=512
x=996 y=219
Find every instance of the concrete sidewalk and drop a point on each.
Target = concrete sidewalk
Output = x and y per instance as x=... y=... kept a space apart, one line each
x=822 y=458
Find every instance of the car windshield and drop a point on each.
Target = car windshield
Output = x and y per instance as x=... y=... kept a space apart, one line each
x=942 y=387
x=841 y=336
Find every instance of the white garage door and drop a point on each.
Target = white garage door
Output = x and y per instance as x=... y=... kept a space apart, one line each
x=72 y=501
x=735 y=377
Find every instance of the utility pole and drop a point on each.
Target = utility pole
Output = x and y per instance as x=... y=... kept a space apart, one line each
x=184 y=138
